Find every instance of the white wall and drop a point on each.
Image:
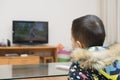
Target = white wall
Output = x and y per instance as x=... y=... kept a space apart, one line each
x=59 y=13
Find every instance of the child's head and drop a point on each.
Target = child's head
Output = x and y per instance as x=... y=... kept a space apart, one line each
x=88 y=31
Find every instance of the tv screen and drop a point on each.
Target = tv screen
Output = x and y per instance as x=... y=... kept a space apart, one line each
x=30 y=32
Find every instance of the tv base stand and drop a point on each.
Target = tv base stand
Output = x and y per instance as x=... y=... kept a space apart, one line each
x=31 y=49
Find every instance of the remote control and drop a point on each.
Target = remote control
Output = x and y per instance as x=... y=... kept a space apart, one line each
x=63 y=67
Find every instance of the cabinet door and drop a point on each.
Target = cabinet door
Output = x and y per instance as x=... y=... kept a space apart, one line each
x=24 y=60
x=30 y=60
x=20 y=60
x=14 y=60
x=3 y=60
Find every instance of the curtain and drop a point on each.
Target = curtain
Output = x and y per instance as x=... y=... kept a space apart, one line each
x=109 y=15
x=118 y=20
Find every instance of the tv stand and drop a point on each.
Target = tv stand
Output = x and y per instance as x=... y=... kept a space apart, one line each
x=31 y=49
x=29 y=45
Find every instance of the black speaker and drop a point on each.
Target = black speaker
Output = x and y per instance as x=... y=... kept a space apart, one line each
x=8 y=42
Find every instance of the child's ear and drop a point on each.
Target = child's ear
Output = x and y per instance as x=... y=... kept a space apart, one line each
x=79 y=44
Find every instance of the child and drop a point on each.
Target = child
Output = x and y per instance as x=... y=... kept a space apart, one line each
x=91 y=64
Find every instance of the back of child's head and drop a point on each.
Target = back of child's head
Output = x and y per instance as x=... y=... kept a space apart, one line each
x=89 y=30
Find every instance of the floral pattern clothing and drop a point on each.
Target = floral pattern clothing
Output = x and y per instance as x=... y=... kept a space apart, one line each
x=77 y=73
x=110 y=72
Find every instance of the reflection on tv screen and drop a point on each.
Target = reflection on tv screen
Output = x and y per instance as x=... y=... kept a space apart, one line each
x=30 y=31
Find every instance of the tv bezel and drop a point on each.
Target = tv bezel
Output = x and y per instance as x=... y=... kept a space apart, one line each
x=29 y=42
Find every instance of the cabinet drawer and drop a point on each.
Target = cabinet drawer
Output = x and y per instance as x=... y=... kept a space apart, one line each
x=20 y=60
x=30 y=60
x=3 y=60
x=14 y=61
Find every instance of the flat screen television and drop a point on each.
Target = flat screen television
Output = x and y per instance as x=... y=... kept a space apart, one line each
x=30 y=32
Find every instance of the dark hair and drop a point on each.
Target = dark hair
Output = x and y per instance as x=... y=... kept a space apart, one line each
x=89 y=30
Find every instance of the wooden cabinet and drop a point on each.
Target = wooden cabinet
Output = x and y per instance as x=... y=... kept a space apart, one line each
x=28 y=59
x=3 y=60
x=20 y=60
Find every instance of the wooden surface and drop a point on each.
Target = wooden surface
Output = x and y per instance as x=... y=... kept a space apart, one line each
x=49 y=49
x=49 y=78
x=20 y=60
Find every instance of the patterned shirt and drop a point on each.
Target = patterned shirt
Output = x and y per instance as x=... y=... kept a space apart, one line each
x=77 y=73
x=110 y=72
